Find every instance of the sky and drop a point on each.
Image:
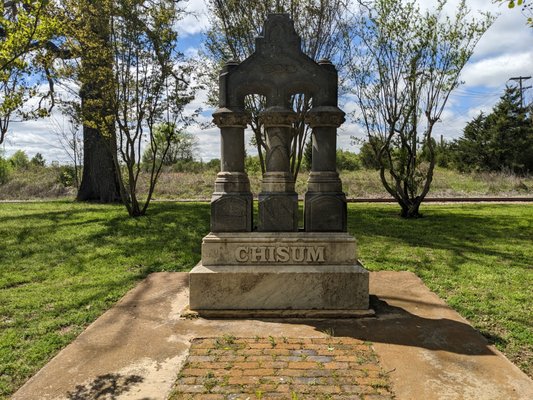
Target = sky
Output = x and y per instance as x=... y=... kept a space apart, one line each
x=505 y=51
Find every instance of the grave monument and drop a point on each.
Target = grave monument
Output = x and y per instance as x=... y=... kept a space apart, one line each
x=276 y=267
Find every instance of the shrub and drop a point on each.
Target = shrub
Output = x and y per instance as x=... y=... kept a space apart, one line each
x=19 y=160
x=38 y=160
x=67 y=175
x=252 y=165
x=5 y=170
x=347 y=161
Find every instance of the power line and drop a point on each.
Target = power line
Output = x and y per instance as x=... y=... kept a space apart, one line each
x=520 y=79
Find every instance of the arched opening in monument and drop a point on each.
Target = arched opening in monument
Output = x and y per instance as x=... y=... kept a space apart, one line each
x=300 y=102
x=254 y=104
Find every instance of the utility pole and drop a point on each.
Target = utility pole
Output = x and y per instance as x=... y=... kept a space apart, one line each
x=520 y=79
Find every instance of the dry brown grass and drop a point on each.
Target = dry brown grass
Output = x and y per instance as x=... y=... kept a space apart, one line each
x=44 y=184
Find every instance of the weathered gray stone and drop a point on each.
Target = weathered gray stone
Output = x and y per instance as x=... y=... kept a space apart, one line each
x=232 y=213
x=325 y=212
x=288 y=248
x=278 y=212
x=277 y=267
x=334 y=287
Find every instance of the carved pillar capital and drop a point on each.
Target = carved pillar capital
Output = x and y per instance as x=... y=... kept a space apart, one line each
x=325 y=116
x=226 y=118
x=277 y=117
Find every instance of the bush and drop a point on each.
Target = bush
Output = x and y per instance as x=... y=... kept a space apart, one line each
x=38 y=160
x=188 y=166
x=252 y=165
x=66 y=175
x=5 y=170
x=368 y=157
x=347 y=161
x=19 y=160
x=213 y=165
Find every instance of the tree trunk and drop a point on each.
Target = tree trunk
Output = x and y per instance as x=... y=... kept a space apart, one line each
x=99 y=180
x=410 y=207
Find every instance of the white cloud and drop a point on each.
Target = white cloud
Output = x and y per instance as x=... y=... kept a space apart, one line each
x=196 y=20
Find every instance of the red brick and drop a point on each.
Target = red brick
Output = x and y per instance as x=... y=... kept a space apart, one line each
x=273 y=364
x=246 y=365
x=277 y=352
x=303 y=365
x=190 y=388
x=243 y=380
x=193 y=372
x=258 y=372
x=336 y=365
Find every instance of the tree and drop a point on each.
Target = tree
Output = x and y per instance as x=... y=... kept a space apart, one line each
x=405 y=65
x=19 y=160
x=151 y=89
x=181 y=146
x=38 y=160
x=501 y=140
x=323 y=27
x=369 y=152
x=70 y=137
x=26 y=29
x=89 y=67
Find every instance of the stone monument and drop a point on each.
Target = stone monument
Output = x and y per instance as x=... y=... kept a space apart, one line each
x=278 y=267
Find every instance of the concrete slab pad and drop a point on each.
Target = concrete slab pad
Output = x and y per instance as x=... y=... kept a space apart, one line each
x=135 y=350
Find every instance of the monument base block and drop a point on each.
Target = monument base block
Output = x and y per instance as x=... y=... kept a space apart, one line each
x=274 y=287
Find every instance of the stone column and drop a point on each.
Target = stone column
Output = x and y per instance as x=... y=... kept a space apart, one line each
x=325 y=202
x=232 y=201
x=278 y=202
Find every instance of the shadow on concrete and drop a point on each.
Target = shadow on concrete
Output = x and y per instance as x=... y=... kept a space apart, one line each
x=107 y=387
x=395 y=325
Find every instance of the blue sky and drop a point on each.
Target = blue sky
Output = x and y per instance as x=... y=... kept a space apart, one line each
x=505 y=51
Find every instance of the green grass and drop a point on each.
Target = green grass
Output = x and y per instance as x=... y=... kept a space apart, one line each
x=479 y=258
x=62 y=264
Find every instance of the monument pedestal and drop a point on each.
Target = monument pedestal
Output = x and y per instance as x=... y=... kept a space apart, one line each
x=298 y=271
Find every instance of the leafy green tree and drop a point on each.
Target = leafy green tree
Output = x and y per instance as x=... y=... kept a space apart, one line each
x=5 y=170
x=368 y=153
x=404 y=67
x=26 y=30
x=500 y=140
x=19 y=160
x=181 y=146
x=38 y=160
x=347 y=161
x=323 y=27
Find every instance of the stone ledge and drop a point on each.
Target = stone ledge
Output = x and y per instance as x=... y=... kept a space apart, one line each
x=187 y=313
x=279 y=287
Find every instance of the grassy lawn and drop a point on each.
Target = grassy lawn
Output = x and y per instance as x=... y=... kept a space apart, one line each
x=62 y=264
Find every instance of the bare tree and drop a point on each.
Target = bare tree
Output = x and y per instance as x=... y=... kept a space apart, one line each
x=70 y=135
x=151 y=87
x=405 y=64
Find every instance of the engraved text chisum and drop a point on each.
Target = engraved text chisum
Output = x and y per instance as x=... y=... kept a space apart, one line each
x=280 y=254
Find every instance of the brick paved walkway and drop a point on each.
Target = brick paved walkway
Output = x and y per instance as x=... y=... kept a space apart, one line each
x=281 y=368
